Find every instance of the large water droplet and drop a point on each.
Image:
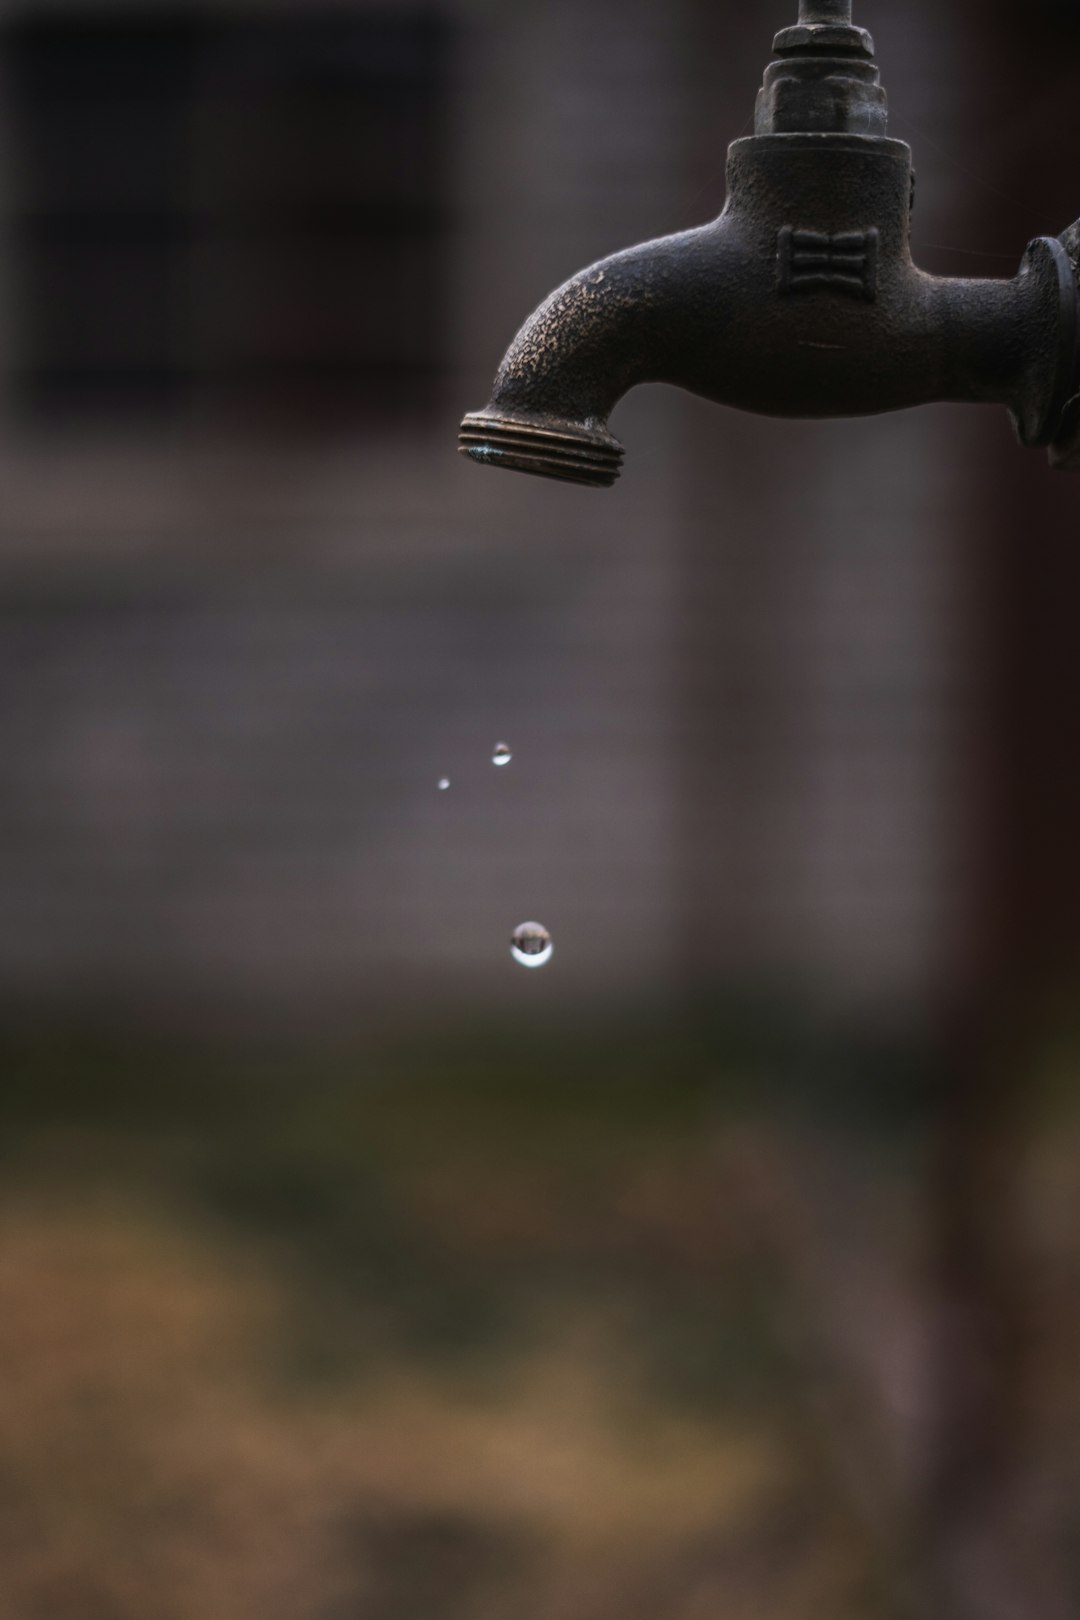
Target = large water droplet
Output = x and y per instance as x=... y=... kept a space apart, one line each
x=501 y=754
x=530 y=944
x=444 y=783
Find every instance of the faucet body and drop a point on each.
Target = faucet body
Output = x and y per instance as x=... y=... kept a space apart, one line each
x=801 y=299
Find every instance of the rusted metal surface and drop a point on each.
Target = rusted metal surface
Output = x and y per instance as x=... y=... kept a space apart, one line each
x=801 y=299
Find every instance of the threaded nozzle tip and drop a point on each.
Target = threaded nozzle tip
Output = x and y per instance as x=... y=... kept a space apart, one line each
x=566 y=451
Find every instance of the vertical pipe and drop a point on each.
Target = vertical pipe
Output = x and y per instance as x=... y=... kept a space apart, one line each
x=825 y=11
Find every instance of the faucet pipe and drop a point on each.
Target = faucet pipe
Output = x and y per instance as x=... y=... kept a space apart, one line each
x=825 y=11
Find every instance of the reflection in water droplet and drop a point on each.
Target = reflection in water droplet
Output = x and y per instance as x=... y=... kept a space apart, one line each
x=502 y=754
x=530 y=944
x=444 y=783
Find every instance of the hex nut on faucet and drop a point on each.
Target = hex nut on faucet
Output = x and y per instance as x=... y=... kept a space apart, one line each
x=801 y=299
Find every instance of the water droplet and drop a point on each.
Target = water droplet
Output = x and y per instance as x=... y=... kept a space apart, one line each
x=530 y=944
x=444 y=783
x=501 y=754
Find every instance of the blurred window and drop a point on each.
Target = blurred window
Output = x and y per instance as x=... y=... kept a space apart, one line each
x=243 y=218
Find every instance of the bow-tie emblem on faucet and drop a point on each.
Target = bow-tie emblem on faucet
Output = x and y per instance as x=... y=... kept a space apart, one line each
x=801 y=299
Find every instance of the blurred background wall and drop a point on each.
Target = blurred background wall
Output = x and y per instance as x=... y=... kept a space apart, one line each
x=723 y=1266
x=256 y=258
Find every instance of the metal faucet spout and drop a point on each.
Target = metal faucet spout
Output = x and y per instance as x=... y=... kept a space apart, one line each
x=613 y=325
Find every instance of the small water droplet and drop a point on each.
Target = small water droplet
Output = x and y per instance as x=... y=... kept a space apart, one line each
x=531 y=945
x=501 y=754
x=444 y=783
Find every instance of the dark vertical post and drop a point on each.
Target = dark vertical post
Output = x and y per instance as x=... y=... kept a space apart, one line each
x=993 y=1547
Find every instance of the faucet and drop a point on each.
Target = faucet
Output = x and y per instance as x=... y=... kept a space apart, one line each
x=801 y=299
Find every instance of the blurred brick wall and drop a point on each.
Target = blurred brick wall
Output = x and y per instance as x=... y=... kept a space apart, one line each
x=740 y=688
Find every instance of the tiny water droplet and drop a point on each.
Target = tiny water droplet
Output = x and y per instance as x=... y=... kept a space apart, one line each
x=444 y=783
x=531 y=945
x=501 y=754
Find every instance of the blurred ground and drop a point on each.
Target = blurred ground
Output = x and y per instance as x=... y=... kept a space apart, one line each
x=572 y=1330
x=489 y=1337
